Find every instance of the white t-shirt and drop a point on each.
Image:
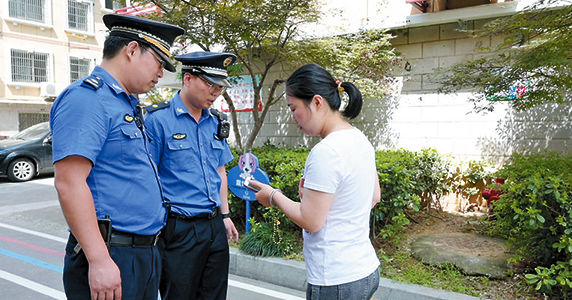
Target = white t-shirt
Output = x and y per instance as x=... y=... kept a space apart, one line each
x=343 y=164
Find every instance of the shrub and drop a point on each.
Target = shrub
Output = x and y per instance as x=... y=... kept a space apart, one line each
x=266 y=239
x=535 y=214
x=409 y=181
x=469 y=180
x=285 y=167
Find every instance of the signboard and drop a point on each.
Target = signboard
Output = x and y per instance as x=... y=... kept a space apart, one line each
x=242 y=94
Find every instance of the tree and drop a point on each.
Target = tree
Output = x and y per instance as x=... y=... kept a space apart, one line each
x=531 y=67
x=267 y=34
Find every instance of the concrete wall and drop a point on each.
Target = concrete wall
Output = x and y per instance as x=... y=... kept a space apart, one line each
x=417 y=117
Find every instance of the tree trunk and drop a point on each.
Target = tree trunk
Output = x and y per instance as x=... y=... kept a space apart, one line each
x=235 y=129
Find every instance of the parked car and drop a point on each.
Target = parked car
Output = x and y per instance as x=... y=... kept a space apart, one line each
x=27 y=154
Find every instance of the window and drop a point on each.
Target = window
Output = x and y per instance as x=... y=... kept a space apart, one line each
x=29 y=119
x=80 y=15
x=79 y=68
x=113 y=5
x=29 y=66
x=30 y=10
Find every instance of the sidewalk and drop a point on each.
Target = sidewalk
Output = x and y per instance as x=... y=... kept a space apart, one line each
x=292 y=274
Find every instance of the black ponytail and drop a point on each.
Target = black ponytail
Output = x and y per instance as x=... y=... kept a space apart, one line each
x=312 y=79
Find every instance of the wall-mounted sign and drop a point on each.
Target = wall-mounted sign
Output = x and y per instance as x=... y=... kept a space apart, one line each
x=242 y=94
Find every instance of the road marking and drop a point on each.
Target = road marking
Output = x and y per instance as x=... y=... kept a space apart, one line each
x=28 y=206
x=236 y=284
x=32 y=246
x=36 y=233
x=256 y=289
x=32 y=260
x=48 y=291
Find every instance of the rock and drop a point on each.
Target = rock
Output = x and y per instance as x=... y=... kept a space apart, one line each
x=473 y=254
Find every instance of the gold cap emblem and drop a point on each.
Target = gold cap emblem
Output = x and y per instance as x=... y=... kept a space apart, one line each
x=227 y=61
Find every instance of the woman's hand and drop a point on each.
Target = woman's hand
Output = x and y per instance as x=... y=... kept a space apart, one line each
x=263 y=195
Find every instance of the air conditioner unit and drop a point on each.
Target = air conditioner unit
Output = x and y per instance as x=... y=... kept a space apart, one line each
x=50 y=90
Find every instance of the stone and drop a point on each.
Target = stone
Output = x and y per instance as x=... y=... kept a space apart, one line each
x=473 y=254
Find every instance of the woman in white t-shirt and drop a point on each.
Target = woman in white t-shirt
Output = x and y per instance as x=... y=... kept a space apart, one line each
x=339 y=188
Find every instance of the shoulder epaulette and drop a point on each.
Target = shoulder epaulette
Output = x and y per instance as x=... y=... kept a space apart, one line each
x=93 y=82
x=157 y=106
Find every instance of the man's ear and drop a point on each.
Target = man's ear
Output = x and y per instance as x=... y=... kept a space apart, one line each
x=187 y=77
x=131 y=48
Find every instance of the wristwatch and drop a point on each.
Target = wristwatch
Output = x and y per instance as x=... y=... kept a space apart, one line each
x=224 y=216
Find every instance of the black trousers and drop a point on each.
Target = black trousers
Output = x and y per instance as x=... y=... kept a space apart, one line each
x=195 y=258
x=139 y=266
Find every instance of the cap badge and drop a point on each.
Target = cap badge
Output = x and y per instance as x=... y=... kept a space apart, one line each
x=179 y=136
x=227 y=61
x=128 y=118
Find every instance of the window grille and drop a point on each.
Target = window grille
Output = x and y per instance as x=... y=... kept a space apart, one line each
x=79 y=15
x=113 y=5
x=79 y=68
x=31 y=10
x=28 y=119
x=29 y=66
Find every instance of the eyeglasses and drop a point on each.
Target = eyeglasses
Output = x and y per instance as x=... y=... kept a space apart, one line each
x=213 y=88
x=162 y=62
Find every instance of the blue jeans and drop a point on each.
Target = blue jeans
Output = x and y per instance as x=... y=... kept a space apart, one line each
x=361 y=289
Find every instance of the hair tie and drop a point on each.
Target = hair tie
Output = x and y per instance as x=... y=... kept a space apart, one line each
x=340 y=88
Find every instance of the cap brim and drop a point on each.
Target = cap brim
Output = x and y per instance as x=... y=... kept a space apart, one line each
x=169 y=65
x=217 y=80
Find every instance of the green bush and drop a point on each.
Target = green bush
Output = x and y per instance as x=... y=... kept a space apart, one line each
x=285 y=167
x=535 y=214
x=409 y=181
x=267 y=239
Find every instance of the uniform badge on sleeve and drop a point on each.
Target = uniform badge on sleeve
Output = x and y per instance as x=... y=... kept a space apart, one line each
x=128 y=118
x=179 y=136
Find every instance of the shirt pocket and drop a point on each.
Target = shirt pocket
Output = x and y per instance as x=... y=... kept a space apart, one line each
x=180 y=155
x=216 y=151
x=132 y=143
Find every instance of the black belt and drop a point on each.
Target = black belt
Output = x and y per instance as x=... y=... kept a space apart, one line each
x=119 y=238
x=197 y=217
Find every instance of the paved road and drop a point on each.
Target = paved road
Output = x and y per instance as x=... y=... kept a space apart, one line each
x=33 y=233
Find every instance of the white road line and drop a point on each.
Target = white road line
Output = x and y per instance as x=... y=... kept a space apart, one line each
x=48 y=291
x=275 y=294
x=236 y=284
x=36 y=233
x=29 y=206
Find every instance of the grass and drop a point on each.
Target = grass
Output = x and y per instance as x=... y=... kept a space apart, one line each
x=402 y=267
x=397 y=264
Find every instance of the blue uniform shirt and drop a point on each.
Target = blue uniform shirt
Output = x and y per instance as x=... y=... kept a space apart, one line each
x=99 y=124
x=187 y=156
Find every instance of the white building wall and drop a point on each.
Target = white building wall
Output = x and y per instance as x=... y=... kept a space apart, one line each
x=420 y=118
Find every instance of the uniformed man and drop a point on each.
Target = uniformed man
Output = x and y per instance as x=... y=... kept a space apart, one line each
x=188 y=144
x=103 y=173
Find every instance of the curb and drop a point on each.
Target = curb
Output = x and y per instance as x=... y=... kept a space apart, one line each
x=292 y=274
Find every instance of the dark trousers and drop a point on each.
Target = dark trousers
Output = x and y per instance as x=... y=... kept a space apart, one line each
x=195 y=259
x=139 y=266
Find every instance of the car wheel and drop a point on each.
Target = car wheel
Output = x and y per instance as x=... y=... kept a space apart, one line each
x=21 y=169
